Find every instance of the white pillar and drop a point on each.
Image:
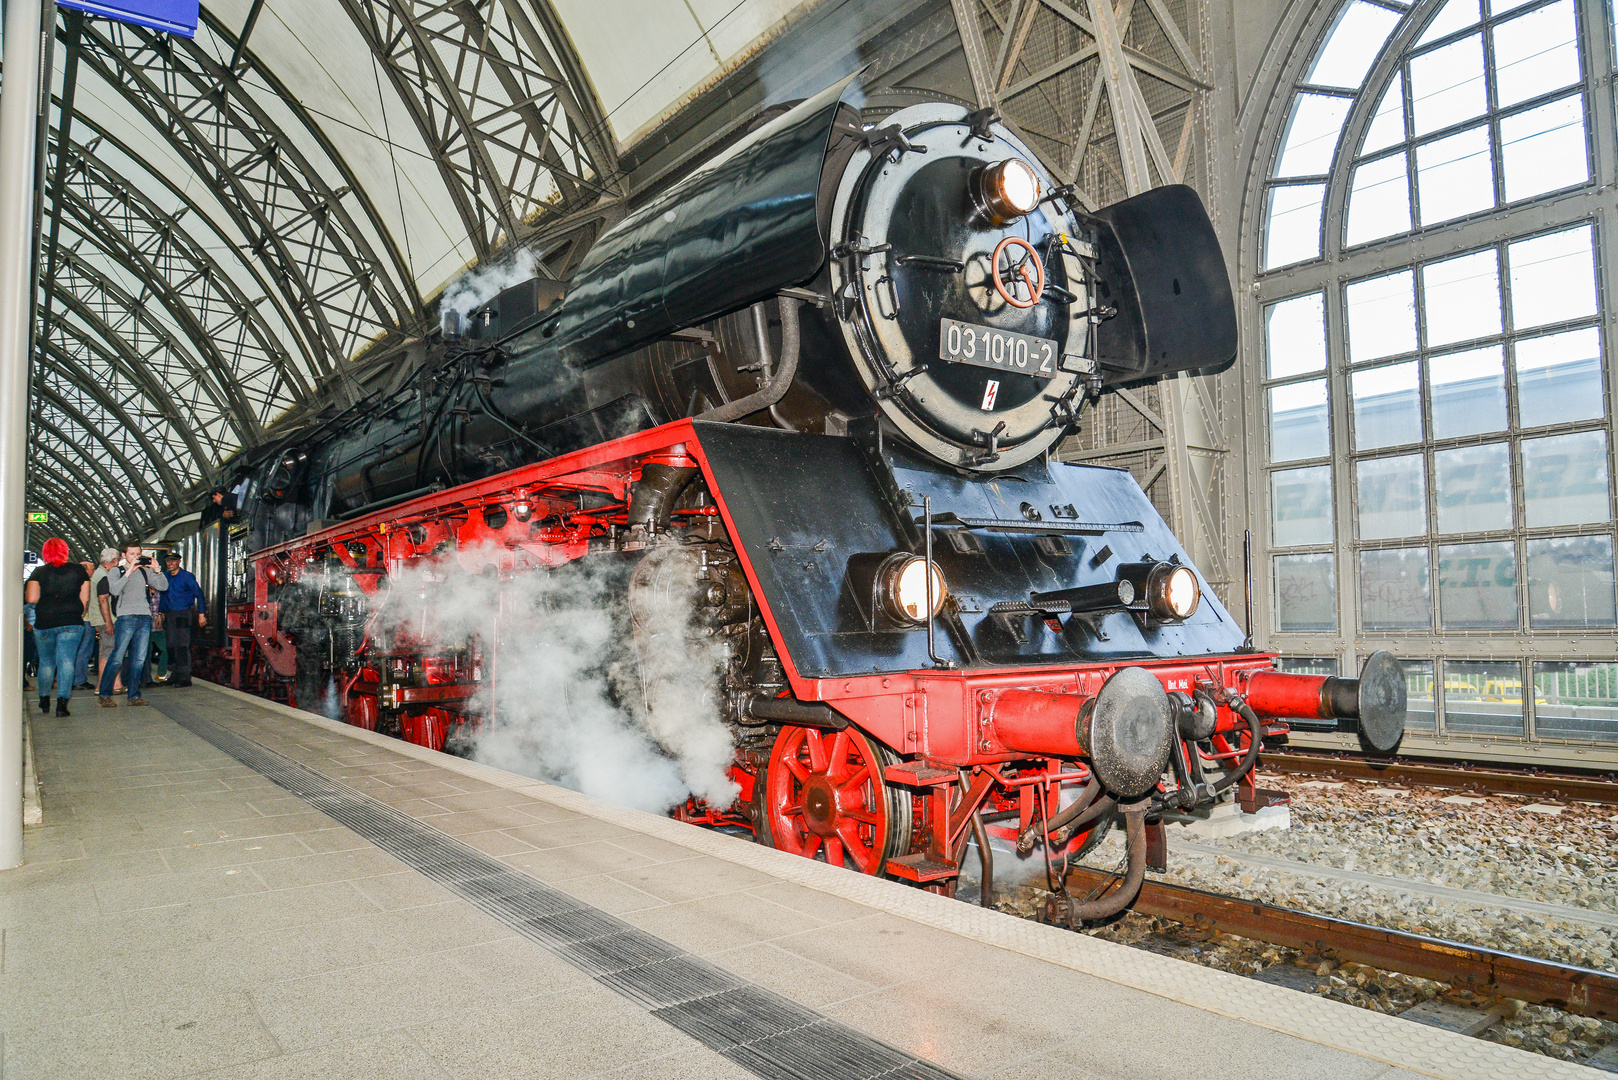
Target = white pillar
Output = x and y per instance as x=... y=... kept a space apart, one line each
x=19 y=102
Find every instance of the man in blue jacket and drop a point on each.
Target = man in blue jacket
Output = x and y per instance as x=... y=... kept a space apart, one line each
x=183 y=607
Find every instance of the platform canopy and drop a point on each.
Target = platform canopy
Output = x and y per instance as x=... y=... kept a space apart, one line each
x=245 y=229
x=234 y=225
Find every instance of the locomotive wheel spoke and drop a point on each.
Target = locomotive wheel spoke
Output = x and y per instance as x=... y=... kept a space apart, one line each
x=860 y=852
x=837 y=762
x=825 y=791
x=817 y=750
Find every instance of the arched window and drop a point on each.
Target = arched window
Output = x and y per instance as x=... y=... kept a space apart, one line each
x=1434 y=363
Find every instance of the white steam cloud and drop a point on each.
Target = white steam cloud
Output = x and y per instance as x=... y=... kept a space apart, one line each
x=477 y=287
x=801 y=65
x=574 y=695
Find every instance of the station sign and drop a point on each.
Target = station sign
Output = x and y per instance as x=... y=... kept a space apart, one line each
x=170 y=16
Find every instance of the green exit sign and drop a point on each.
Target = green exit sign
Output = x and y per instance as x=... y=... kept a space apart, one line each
x=38 y=517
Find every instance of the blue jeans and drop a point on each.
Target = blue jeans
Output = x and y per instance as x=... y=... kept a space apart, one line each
x=58 y=658
x=86 y=647
x=130 y=636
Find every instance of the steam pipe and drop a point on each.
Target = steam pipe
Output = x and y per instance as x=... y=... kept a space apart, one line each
x=1135 y=838
x=391 y=500
x=1025 y=842
x=986 y=858
x=1255 y=740
x=793 y=711
x=785 y=372
x=651 y=500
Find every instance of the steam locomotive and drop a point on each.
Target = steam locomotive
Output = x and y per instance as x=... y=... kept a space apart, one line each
x=813 y=387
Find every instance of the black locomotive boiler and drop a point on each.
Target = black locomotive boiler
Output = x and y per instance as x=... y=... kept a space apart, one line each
x=820 y=377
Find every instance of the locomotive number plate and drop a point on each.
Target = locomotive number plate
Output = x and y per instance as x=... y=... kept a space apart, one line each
x=1002 y=350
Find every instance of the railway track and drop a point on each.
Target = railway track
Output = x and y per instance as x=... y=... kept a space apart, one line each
x=1491 y=781
x=1579 y=990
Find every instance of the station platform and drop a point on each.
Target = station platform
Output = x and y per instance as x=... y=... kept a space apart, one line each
x=227 y=888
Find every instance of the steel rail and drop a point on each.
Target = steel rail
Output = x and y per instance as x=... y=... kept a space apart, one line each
x=1494 y=781
x=1584 y=991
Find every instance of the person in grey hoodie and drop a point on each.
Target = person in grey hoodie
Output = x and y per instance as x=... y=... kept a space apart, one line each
x=127 y=584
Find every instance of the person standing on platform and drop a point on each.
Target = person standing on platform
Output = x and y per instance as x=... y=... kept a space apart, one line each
x=101 y=608
x=89 y=638
x=183 y=608
x=127 y=584
x=59 y=591
x=156 y=668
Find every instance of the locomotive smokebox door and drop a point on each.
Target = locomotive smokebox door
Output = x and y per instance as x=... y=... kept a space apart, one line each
x=952 y=273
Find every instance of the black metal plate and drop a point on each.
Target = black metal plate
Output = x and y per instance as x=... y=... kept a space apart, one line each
x=998 y=350
x=803 y=504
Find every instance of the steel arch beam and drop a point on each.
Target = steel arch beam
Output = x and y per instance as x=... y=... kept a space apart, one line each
x=109 y=482
x=73 y=366
x=128 y=362
x=87 y=514
x=73 y=532
x=106 y=301
x=492 y=101
x=101 y=512
x=115 y=416
x=204 y=300
x=43 y=498
x=93 y=433
x=299 y=225
x=248 y=310
x=200 y=297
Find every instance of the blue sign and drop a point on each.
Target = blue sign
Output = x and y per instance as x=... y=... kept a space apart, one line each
x=170 y=16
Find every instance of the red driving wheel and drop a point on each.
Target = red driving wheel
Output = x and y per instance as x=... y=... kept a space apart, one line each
x=1035 y=280
x=824 y=796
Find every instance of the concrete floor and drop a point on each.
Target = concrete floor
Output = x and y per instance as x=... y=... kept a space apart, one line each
x=181 y=915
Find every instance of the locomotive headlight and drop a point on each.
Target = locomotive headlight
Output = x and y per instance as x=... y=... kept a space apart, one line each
x=902 y=585
x=1008 y=189
x=1167 y=591
x=1173 y=594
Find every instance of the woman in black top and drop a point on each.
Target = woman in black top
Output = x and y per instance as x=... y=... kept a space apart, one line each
x=59 y=591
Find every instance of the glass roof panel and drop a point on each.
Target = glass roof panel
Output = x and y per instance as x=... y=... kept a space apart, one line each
x=1312 y=133
x=1352 y=46
x=1455 y=15
x=1536 y=53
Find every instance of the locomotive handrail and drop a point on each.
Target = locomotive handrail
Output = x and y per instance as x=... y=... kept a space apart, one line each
x=1037 y=528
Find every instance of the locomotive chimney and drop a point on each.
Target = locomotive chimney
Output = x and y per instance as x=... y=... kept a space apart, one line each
x=450 y=324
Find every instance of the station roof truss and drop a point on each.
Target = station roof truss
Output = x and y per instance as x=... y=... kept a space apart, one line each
x=223 y=236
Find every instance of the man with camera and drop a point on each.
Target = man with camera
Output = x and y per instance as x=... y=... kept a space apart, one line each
x=126 y=585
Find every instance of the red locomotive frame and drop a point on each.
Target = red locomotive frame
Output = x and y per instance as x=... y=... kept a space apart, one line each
x=953 y=744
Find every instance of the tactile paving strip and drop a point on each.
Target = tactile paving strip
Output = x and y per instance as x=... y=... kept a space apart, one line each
x=1389 y=1039
x=763 y=1032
